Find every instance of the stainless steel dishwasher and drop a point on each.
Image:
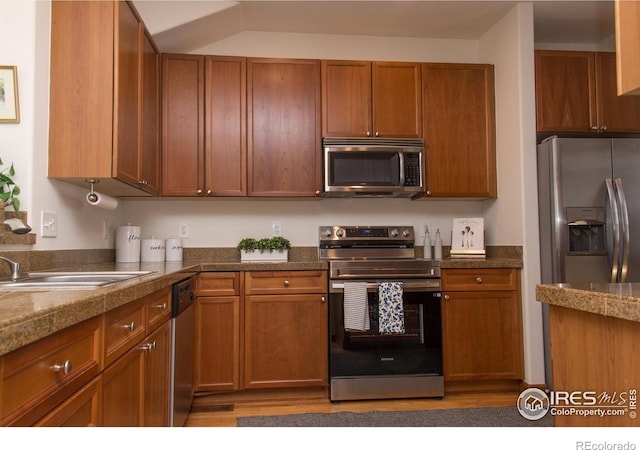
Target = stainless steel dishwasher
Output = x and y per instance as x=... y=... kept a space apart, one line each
x=182 y=325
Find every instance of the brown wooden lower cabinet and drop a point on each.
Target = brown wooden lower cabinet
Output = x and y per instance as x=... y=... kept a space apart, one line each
x=481 y=324
x=80 y=410
x=596 y=354
x=285 y=340
x=261 y=329
x=61 y=380
x=122 y=391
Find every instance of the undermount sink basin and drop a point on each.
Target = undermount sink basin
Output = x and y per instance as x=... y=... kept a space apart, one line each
x=70 y=280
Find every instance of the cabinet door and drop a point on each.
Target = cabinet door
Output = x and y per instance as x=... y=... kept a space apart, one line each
x=627 y=19
x=150 y=131
x=346 y=99
x=397 y=99
x=481 y=335
x=81 y=90
x=565 y=91
x=226 y=131
x=285 y=341
x=82 y=409
x=127 y=96
x=615 y=114
x=217 y=343
x=459 y=125
x=157 y=347
x=182 y=125
x=122 y=391
x=283 y=125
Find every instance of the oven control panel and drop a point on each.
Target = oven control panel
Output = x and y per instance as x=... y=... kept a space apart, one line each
x=334 y=234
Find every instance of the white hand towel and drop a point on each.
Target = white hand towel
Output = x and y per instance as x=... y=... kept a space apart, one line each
x=356 y=308
x=390 y=309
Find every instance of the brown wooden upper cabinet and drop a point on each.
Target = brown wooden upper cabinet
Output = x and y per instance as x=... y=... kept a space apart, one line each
x=459 y=129
x=627 y=16
x=576 y=93
x=182 y=125
x=283 y=127
x=204 y=126
x=371 y=99
x=104 y=101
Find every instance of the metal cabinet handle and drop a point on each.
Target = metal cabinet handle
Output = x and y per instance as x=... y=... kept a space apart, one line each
x=64 y=368
x=323 y=299
x=163 y=306
x=150 y=346
x=377 y=134
x=199 y=192
x=209 y=192
x=446 y=296
x=286 y=283
x=603 y=128
x=479 y=280
x=594 y=128
x=130 y=326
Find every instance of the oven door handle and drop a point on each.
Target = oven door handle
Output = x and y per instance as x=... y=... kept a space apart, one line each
x=432 y=285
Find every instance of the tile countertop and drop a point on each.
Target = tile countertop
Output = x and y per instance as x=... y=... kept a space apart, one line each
x=26 y=316
x=620 y=300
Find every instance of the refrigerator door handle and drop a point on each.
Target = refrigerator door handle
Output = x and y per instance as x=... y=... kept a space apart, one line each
x=624 y=232
x=615 y=224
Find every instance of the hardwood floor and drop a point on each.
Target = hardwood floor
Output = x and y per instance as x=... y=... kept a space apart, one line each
x=223 y=410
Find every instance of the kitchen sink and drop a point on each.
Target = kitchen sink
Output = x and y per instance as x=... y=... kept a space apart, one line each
x=70 y=280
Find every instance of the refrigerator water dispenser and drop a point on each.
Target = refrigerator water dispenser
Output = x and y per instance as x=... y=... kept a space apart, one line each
x=586 y=231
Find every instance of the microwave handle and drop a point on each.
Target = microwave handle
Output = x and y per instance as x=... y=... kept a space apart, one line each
x=401 y=154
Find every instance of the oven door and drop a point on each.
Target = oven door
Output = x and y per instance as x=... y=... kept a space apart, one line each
x=417 y=351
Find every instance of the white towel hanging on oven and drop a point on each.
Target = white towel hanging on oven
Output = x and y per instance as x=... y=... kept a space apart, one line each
x=390 y=309
x=356 y=307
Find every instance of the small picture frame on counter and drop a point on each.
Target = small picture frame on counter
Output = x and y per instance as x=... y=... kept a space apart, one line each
x=467 y=238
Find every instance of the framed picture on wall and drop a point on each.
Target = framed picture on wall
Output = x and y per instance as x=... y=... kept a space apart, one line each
x=9 y=107
x=467 y=238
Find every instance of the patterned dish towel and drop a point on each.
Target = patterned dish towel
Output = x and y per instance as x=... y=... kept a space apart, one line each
x=391 y=312
x=356 y=307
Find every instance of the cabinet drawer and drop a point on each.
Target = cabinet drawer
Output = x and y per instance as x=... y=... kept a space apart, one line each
x=38 y=377
x=123 y=327
x=285 y=282
x=218 y=284
x=158 y=307
x=479 y=279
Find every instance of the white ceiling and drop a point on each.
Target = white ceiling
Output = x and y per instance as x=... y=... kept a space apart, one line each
x=184 y=26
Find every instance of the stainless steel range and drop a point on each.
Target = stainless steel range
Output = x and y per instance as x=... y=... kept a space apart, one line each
x=384 y=314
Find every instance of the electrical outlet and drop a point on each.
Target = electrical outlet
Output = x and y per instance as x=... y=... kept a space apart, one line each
x=276 y=228
x=183 y=231
x=49 y=224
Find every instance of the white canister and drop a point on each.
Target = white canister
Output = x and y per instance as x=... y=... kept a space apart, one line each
x=128 y=243
x=173 y=249
x=152 y=250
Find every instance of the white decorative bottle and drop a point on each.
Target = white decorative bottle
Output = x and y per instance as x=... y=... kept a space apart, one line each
x=427 y=245
x=437 y=248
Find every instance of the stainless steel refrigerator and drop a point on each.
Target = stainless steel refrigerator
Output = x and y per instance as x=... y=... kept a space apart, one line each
x=589 y=212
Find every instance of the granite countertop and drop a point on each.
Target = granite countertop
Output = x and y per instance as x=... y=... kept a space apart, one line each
x=29 y=315
x=620 y=300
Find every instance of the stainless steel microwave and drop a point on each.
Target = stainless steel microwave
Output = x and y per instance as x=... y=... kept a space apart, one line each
x=373 y=167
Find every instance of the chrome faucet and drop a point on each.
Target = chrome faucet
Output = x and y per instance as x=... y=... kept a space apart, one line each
x=15 y=268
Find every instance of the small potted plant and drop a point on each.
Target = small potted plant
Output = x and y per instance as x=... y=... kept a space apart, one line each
x=8 y=190
x=275 y=249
